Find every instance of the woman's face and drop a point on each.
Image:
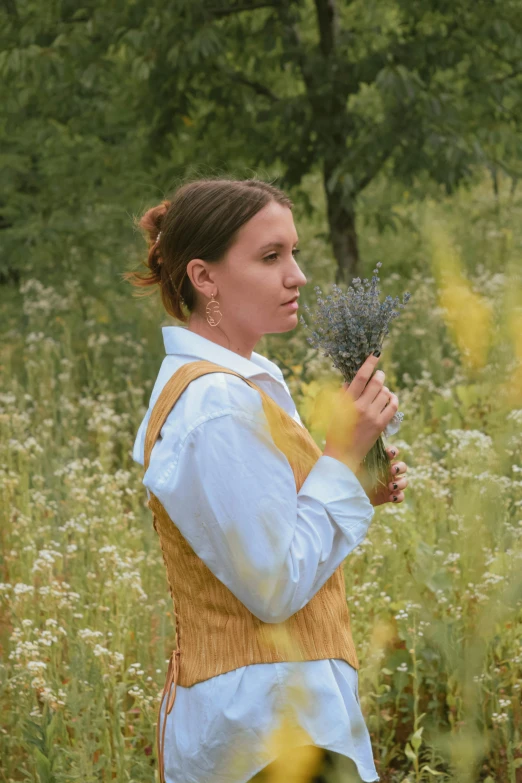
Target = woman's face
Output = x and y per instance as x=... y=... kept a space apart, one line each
x=257 y=275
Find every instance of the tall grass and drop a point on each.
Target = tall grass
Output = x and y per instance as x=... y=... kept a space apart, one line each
x=435 y=590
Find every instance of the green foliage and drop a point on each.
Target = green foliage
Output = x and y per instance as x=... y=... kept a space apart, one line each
x=41 y=738
x=108 y=105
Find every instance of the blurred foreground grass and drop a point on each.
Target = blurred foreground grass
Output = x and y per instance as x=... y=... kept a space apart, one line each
x=435 y=590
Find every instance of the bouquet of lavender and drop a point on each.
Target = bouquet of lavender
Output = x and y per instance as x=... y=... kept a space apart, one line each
x=348 y=327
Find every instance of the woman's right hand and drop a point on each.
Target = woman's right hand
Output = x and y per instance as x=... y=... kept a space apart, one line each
x=366 y=407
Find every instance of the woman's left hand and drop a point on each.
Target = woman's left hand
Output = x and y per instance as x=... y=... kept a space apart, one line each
x=393 y=492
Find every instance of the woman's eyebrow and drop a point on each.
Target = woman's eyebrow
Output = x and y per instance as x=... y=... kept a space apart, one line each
x=274 y=244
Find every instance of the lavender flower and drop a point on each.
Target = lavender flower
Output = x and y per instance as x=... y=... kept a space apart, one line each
x=348 y=327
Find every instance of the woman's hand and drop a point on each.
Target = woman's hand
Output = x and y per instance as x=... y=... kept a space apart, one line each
x=364 y=408
x=393 y=492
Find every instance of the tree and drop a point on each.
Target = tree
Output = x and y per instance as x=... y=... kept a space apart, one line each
x=67 y=153
x=103 y=99
x=352 y=87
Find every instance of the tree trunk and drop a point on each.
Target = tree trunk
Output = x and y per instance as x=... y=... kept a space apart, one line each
x=343 y=235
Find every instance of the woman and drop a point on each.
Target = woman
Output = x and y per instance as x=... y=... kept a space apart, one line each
x=254 y=521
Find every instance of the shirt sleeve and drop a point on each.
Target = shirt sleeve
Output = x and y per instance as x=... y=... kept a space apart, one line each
x=231 y=492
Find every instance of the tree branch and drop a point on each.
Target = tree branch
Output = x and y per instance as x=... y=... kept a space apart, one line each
x=300 y=56
x=328 y=21
x=378 y=162
x=259 y=88
x=219 y=12
x=384 y=149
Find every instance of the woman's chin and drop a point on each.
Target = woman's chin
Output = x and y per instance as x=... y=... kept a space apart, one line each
x=291 y=323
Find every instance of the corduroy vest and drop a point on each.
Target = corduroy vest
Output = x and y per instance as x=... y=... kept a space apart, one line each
x=215 y=631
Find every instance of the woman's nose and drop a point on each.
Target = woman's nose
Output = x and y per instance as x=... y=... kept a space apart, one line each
x=301 y=278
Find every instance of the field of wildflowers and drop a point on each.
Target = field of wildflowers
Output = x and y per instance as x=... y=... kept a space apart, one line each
x=435 y=590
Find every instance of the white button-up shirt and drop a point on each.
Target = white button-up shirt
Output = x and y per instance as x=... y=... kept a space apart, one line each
x=214 y=464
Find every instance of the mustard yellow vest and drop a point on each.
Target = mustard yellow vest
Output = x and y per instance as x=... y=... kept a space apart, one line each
x=215 y=631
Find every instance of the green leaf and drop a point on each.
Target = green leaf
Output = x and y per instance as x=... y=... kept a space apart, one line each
x=410 y=752
x=416 y=739
x=43 y=767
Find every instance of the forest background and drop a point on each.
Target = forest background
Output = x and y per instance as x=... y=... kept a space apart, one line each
x=395 y=127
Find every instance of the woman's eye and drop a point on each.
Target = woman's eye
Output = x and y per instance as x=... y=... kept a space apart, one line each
x=274 y=256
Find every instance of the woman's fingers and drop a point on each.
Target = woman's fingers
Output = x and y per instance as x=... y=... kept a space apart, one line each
x=398 y=467
x=400 y=483
x=362 y=377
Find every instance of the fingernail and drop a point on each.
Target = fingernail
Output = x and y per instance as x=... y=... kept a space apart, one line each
x=393 y=452
x=394 y=498
x=397 y=468
x=376 y=353
x=396 y=486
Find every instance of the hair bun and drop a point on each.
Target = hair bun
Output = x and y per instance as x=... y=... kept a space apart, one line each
x=152 y=220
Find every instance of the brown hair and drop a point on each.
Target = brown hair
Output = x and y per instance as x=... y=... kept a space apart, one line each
x=200 y=220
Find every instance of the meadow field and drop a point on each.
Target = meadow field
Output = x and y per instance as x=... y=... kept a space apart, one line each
x=435 y=590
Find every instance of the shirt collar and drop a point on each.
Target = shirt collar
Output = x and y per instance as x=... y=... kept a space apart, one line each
x=180 y=340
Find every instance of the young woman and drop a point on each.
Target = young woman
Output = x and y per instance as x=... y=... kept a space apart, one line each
x=254 y=521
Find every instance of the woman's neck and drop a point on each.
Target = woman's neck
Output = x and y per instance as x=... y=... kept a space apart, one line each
x=199 y=325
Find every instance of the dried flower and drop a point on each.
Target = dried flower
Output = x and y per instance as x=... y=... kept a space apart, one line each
x=348 y=327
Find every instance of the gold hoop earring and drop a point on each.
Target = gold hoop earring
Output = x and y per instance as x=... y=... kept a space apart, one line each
x=212 y=309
